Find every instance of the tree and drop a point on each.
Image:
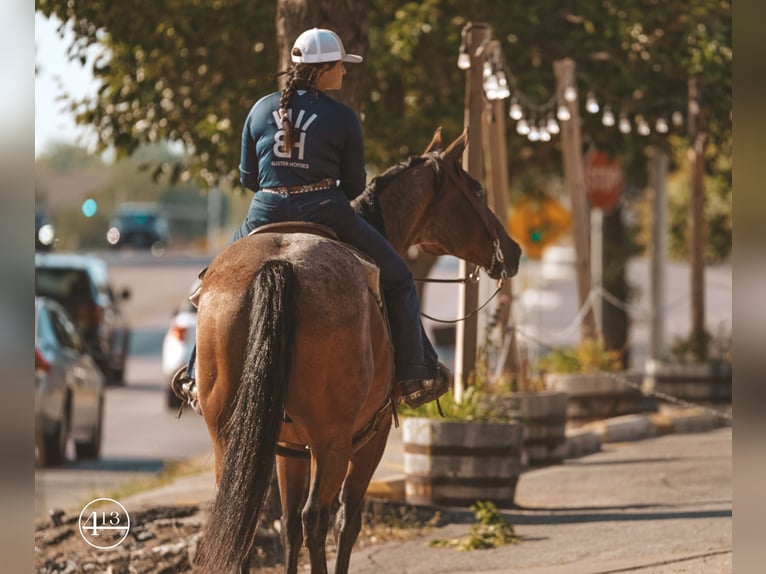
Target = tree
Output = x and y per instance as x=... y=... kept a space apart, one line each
x=190 y=70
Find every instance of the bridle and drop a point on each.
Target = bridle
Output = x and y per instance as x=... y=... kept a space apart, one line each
x=497 y=253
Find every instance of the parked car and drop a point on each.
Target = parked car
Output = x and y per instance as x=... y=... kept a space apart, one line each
x=45 y=233
x=69 y=389
x=140 y=225
x=80 y=283
x=177 y=346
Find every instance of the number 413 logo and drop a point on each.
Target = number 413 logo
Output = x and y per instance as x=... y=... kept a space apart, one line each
x=104 y=523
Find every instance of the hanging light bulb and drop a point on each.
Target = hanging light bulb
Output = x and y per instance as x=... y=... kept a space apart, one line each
x=543 y=131
x=491 y=86
x=608 y=117
x=516 y=113
x=677 y=118
x=661 y=126
x=503 y=91
x=563 y=113
x=487 y=69
x=534 y=133
x=552 y=126
x=570 y=93
x=624 y=125
x=643 y=127
x=591 y=104
x=522 y=128
x=463 y=60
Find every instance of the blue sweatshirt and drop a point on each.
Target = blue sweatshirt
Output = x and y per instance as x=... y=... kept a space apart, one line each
x=329 y=145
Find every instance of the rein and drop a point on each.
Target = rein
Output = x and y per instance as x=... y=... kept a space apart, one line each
x=472 y=313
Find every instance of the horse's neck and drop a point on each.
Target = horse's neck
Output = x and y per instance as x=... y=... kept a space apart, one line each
x=402 y=210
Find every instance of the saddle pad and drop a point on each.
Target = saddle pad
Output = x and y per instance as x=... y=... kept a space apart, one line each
x=296 y=227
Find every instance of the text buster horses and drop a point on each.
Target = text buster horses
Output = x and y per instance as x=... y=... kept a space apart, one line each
x=287 y=325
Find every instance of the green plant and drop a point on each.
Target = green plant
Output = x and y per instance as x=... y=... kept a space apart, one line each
x=491 y=531
x=588 y=356
x=703 y=346
x=470 y=408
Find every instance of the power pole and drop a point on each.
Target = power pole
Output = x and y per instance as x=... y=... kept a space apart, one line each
x=468 y=296
x=697 y=136
x=574 y=180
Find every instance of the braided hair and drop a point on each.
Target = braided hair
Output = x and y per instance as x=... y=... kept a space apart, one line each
x=300 y=76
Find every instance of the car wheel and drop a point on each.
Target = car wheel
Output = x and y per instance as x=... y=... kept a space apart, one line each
x=54 y=445
x=91 y=449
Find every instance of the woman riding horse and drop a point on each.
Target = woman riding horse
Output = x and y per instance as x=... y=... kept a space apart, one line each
x=302 y=151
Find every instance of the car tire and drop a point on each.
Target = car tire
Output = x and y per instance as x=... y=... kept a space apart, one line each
x=54 y=445
x=91 y=449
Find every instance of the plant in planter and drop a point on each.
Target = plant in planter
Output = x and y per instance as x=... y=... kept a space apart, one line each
x=698 y=370
x=583 y=372
x=469 y=455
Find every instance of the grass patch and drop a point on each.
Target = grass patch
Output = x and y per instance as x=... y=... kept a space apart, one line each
x=491 y=531
x=170 y=472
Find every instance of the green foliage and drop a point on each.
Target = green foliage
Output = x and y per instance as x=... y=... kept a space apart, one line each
x=703 y=346
x=189 y=71
x=587 y=357
x=491 y=531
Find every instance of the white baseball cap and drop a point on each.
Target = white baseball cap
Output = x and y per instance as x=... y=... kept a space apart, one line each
x=320 y=45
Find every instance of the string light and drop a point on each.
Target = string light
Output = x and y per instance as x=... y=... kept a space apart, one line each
x=677 y=118
x=534 y=133
x=563 y=113
x=522 y=128
x=661 y=126
x=552 y=126
x=591 y=104
x=544 y=135
x=607 y=117
x=463 y=59
x=624 y=125
x=570 y=94
x=643 y=127
x=516 y=113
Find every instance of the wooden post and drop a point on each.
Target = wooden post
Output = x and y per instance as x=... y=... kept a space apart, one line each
x=468 y=296
x=697 y=137
x=658 y=174
x=574 y=180
x=497 y=171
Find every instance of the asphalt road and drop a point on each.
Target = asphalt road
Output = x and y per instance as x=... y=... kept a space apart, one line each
x=140 y=434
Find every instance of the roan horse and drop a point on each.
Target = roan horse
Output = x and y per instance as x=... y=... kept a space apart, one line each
x=294 y=355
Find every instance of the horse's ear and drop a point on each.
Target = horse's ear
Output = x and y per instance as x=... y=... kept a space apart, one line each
x=455 y=149
x=436 y=141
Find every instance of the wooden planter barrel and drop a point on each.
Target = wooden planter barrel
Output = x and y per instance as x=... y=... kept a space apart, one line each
x=706 y=383
x=544 y=417
x=599 y=396
x=456 y=463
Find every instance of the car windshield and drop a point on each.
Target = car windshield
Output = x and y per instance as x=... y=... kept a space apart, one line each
x=138 y=220
x=68 y=286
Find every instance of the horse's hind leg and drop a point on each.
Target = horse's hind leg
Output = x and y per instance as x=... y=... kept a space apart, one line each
x=292 y=474
x=348 y=520
x=329 y=465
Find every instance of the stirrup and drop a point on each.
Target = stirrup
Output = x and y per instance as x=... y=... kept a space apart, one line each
x=417 y=392
x=185 y=388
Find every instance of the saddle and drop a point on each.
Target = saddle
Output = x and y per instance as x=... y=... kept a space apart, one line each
x=371 y=270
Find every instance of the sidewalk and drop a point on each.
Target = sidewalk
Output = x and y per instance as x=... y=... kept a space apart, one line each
x=617 y=503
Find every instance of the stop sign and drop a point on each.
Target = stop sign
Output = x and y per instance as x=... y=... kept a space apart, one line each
x=603 y=180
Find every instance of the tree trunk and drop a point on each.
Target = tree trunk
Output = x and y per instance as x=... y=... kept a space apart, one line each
x=615 y=321
x=347 y=18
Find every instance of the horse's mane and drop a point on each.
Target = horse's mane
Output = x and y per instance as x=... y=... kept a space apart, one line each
x=367 y=204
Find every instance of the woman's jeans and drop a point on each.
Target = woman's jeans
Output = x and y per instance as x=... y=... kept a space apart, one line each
x=415 y=358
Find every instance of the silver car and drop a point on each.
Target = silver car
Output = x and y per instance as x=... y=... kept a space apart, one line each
x=69 y=389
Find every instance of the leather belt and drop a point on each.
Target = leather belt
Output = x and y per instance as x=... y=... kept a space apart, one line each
x=328 y=183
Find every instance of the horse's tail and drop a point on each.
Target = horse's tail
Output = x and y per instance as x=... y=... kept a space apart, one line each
x=253 y=428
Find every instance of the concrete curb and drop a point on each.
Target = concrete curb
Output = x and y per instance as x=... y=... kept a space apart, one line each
x=589 y=438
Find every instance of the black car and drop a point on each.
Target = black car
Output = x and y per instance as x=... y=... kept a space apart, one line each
x=138 y=225
x=80 y=283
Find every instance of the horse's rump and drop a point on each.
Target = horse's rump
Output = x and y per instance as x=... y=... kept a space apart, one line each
x=342 y=356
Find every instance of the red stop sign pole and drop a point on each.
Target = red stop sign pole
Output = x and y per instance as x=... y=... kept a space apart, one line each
x=603 y=180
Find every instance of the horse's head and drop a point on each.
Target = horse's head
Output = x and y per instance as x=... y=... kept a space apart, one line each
x=458 y=220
